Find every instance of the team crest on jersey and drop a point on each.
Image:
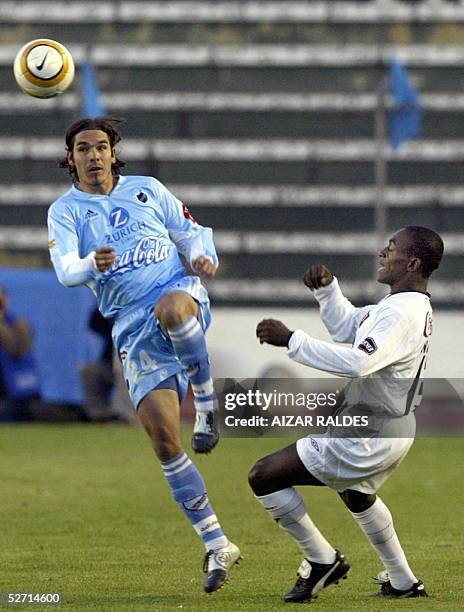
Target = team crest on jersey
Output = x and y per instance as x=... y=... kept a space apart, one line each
x=368 y=346
x=428 y=325
x=142 y=197
x=187 y=213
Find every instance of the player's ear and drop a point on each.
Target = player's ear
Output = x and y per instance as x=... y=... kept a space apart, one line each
x=414 y=264
x=70 y=159
x=113 y=155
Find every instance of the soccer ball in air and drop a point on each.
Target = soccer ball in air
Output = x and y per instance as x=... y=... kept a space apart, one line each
x=44 y=68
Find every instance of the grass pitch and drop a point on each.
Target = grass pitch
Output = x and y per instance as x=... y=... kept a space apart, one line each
x=85 y=511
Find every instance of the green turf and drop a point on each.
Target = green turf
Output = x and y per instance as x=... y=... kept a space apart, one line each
x=85 y=511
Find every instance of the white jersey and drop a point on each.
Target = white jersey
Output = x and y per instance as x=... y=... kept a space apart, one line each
x=389 y=344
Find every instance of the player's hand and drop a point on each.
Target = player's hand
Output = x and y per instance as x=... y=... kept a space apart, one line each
x=273 y=332
x=104 y=257
x=317 y=276
x=204 y=266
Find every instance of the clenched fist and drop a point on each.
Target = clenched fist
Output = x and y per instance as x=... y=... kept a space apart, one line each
x=104 y=258
x=317 y=276
x=273 y=332
x=204 y=266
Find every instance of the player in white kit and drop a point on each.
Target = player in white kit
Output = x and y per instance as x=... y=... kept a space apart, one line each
x=389 y=344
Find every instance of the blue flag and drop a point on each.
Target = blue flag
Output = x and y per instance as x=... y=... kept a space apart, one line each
x=90 y=93
x=405 y=118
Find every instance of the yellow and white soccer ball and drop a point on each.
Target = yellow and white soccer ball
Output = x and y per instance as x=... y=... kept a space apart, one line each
x=44 y=68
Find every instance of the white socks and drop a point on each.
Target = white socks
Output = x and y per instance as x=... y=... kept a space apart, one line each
x=377 y=524
x=288 y=508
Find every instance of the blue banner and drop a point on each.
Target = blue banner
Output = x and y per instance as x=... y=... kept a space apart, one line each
x=405 y=118
x=91 y=100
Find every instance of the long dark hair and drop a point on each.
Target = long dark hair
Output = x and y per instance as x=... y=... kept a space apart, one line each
x=105 y=124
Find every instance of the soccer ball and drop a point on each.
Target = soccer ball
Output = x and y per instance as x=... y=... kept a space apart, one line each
x=44 y=68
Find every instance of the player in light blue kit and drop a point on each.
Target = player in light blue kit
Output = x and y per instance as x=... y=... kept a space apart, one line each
x=121 y=236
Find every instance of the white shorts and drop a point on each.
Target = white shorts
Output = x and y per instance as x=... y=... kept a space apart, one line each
x=361 y=464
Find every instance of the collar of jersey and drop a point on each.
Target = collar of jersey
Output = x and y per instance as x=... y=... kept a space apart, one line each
x=121 y=180
x=409 y=291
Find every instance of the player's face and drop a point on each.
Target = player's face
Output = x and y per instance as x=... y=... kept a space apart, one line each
x=394 y=259
x=92 y=157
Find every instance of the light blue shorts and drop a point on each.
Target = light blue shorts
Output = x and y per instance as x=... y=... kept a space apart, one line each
x=145 y=351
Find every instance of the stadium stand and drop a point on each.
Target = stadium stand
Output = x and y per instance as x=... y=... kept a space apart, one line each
x=261 y=116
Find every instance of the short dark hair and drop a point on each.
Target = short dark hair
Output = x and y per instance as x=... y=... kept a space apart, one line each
x=105 y=124
x=427 y=245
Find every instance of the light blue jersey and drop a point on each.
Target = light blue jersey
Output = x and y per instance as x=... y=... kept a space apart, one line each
x=145 y=224
x=148 y=227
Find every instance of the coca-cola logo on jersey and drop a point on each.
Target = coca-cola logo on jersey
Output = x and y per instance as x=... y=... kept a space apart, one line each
x=148 y=250
x=428 y=324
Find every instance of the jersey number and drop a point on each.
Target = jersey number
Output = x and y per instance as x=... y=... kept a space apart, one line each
x=417 y=388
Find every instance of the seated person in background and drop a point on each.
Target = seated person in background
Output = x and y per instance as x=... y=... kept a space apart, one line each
x=19 y=378
x=105 y=393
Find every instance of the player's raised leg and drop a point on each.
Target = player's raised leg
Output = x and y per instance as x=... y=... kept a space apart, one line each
x=273 y=479
x=177 y=312
x=159 y=413
x=375 y=520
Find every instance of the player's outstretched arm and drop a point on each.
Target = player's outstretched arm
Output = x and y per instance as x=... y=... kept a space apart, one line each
x=386 y=344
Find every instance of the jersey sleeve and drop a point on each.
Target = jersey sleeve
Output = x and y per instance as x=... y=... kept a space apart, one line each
x=63 y=244
x=385 y=344
x=191 y=239
x=337 y=313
